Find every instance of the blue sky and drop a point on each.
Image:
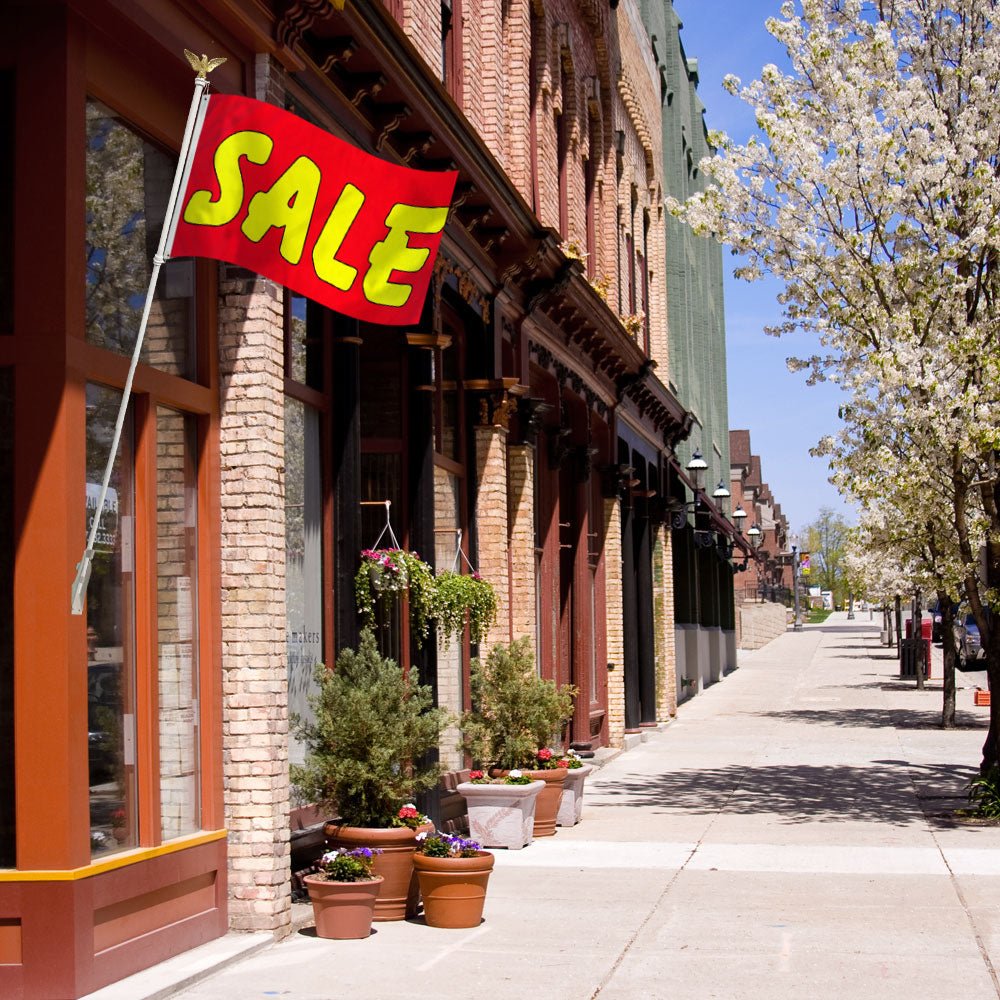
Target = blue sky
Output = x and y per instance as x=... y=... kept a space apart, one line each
x=785 y=416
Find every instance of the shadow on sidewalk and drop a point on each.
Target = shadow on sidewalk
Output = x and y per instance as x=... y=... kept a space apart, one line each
x=794 y=793
x=877 y=718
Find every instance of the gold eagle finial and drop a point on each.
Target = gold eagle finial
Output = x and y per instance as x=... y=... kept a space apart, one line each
x=202 y=64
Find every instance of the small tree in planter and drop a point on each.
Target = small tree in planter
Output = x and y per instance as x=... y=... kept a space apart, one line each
x=366 y=750
x=515 y=713
x=456 y=594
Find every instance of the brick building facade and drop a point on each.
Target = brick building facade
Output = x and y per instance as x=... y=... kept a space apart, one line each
x=526 y=426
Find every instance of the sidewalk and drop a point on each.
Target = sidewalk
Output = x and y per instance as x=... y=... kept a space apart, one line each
x=777 y=840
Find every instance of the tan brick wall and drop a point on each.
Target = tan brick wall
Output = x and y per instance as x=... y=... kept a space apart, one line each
x=521 y=525
x=254 y=649
x=491 y=523
x=760 y=624
x=663 y=625
x=255 y=676
x=615 y=618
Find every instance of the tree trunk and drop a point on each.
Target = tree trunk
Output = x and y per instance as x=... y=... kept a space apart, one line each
x=946 y=608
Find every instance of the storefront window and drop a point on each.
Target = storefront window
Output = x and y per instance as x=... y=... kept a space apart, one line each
x=7 y=859
x=304 y=354
x=128 y=184
x=303 y=559
x=177 y=621
x=111 y=632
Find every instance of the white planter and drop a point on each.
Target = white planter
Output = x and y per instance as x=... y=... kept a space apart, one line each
x=571 y=803
x=501 y=815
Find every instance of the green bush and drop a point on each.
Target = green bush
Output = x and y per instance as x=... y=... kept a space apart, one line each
x=984 y=794
x=514 y=711
x=366 y=748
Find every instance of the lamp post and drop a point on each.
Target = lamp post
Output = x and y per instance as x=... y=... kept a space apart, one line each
x=797 y=623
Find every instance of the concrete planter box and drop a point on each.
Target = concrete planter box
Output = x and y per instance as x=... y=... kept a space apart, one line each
x=501 y=815
x=571 y=803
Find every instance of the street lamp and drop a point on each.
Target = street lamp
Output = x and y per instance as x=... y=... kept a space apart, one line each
x=720 y=493
x=697 y=468
x=797 y=624
x=739 y=516
x=755 y=535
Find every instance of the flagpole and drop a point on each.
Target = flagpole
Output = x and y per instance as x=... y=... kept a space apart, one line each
x=196 y=112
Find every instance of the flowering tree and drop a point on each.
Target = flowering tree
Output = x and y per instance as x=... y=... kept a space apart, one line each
x=874 y=194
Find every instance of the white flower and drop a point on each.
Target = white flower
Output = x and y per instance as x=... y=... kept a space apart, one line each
x=422 y=835
x=515 y=773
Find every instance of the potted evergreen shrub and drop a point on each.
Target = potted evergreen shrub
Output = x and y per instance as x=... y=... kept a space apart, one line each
x=366 y=756
x=515 y=714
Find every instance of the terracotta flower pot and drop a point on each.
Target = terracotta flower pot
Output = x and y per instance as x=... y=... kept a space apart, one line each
x=548 y=799
x=342 y=910
x=399 y=895
x=501 y=815
x=571 y=803
x=453 y=889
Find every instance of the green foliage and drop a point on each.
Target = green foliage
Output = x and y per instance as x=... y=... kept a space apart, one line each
x=384 y=572
x=374 y=726
x=984 y=793
x=457 y=593
x=514 y=710
x=342 y=865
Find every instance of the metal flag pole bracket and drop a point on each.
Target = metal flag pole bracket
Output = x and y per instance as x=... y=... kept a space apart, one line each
x=196 y=114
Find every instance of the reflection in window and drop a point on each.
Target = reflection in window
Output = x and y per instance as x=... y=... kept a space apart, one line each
x=7 y=859
x=303 y=559
x=305 y=341
x=128 y=184
x=177 y=621
x=110 y=632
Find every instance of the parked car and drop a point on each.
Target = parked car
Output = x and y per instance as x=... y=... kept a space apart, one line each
x=968 y=643
x=935 y=613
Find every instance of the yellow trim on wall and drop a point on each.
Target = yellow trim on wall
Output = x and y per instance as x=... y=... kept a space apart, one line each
x=122 y=860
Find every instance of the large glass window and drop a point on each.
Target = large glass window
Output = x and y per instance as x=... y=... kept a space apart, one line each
x=177 y=621
x=128 y=184
x=111 y=632
x=303 y=558
x=7 y=859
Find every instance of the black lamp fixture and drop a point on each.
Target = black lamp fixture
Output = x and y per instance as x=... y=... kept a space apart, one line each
x=755 y=535
x=720 y=492
x=739 y=516
x=696 y=469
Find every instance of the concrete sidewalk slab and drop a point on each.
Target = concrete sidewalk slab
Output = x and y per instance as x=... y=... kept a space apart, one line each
x=780 y=839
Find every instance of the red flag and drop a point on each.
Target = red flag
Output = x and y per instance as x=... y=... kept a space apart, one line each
x=270 y=192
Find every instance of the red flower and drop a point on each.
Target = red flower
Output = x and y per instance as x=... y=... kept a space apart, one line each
x=408 y=812
x=562 y=762
x=545 y=754
x=475 y=775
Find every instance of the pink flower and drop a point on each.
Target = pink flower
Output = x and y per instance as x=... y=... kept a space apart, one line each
x=545 y=754
x=408 y=812
x=475 y=775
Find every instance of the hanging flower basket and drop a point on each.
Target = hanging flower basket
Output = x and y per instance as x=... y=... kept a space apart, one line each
x=386 y=572
x=458 y=594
